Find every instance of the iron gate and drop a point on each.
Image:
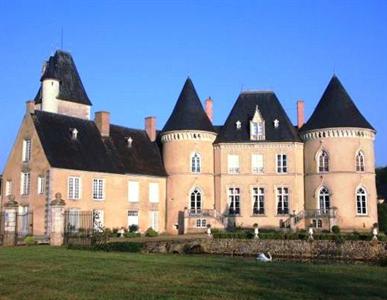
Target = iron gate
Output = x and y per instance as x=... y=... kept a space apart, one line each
x=2 y=221
x=24 y=224
x=78 y=227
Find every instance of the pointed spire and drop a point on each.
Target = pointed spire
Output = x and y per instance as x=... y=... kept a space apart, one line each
x=188 y=113
x=336 y=109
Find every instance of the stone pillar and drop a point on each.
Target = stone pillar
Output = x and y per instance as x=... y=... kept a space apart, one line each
x=10 y=221
x=57 y=220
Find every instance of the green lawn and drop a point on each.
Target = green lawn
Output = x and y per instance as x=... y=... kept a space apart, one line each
x=42 y=272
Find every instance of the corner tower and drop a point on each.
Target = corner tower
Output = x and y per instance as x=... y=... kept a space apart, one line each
x=187 y=140
x=61 y=89
x=339 y=163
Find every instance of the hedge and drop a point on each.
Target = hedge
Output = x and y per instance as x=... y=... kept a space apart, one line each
x=111 y=247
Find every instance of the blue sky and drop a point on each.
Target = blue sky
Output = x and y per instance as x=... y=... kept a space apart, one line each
x=134 y=56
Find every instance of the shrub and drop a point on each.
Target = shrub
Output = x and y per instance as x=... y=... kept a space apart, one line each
x=150 y=232
x=132 y=234
x=29 y=240
x=133 y=228
x=335 y=229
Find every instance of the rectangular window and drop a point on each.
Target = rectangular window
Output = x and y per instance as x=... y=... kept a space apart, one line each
x=8 y=187
x=282 y=201
x=233 y=164
x=153 y=192
x=74 y=188
x=98 y=189
x=154 y=220
x=26 y=150
x=234 y=201
x=133 y=191
x=257 y=163
x=132 y=218
x=282 y=163
x=25 y=183
x=258 y=201
x=41 y=185
x=98 y=219
x=201 y=223
x=73 y=220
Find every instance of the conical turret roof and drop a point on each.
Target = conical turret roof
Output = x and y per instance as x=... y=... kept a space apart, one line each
x=336 y=109
x=188 y=113
x=61 y=67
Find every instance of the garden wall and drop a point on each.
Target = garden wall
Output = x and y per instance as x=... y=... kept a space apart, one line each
x=279 y=249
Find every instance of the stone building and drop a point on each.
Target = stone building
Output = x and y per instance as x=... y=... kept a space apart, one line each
x=257 y=168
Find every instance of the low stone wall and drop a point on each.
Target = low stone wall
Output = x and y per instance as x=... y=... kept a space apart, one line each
x=279 y=249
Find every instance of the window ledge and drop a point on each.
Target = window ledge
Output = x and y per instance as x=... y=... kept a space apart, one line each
x=282 y=215
x=258 y=215
x=362 y=216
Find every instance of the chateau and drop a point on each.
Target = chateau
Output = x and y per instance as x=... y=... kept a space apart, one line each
x=256 y=168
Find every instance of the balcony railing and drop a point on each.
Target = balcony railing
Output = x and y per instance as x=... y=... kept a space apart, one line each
x=321 y=213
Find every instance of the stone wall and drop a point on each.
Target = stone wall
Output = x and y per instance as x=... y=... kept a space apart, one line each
x=279 y=249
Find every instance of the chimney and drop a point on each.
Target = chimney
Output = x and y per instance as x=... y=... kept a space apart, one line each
x=102 y=120
x=150 y=128
x=30 y=107
x=208 y=107
x=300 y=113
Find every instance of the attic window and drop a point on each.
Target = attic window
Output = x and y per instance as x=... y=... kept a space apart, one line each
x=276 y=123
x=238 y=124
x=130 y=142
x=257 y=126
x=74 y=134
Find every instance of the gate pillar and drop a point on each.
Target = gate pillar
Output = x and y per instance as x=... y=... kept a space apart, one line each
x=10 y=214
x=57 y=220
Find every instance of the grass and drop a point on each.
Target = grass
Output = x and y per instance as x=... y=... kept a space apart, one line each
x=43 y=272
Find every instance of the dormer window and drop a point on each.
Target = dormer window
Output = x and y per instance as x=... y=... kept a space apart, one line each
x=129 y=140
x=257 y=126
x=74 y=133
x=238 y=124
x=276 y=123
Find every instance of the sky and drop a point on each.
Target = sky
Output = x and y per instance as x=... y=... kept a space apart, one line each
x=134 y=56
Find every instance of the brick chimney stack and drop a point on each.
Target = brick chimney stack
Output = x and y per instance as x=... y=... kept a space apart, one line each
x=102 y=120
x=209 y=103
x=300 y=113
x=30 y=107
x=150 y=128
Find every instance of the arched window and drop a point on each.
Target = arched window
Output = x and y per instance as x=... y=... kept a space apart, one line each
x=323 y=162
x=196 y=201
x=361 y=201
x=324 y=200
x=360 y=165
x=195 y=163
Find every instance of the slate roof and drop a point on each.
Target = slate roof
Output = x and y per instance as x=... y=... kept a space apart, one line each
x=92 y=152
x=188 y=113
x=336 y=109
x=61 y=67
x=270 y=109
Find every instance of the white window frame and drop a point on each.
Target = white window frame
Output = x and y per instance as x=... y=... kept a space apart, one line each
x=133 y=191
x=258 y=194
x=154 y=192
x=323 y=162
x=196 y=162
x=282 y=163
x=233 y=164
x=25 y=183
x=27 y=149
x=201 y=223
x=8 y=188
x=282 y=193
x=98 y=189
x=41 y=185
x=196 y=208
x=154 y=220
x=360 y=161
x=257 y=168
x=234 y=197
x=98 y=219
x=134 y=215
x=363 y=206
x=74 y=194
x=324 y=197
x=257 y=131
